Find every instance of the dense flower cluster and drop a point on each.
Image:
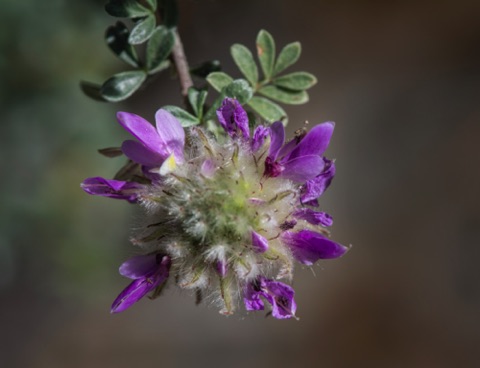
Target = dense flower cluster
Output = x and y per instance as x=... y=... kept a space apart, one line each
x=226 y=219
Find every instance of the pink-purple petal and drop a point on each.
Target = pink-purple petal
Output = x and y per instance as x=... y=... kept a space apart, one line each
x=259 y=243
x=208 y=168
x=277 y=138
x=140 y=129
x=139 y=266
x=142 y=286
x=138 y=153
x=309 y=246
x=222 y=268
x=135 y=291
x=315 y=142
x=315 y=187
x=171 y=134
x=116 y=189
x=303 y=168
x=314 y=217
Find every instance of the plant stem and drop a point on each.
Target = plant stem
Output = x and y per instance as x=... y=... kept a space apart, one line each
x=181 y=64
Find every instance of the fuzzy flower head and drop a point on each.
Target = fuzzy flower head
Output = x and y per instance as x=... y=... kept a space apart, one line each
x=226 y=220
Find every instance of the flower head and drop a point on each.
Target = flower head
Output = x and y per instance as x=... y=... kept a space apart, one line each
x=225 y=219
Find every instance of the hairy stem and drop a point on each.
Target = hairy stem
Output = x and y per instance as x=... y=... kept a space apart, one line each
x=181 y=64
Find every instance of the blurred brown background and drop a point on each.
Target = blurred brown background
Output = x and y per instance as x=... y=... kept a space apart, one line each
x=402 y=81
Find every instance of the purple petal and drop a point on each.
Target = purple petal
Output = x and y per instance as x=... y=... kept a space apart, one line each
x=251 y=298
x=139 y=266
x=315 y=142
x=259 y=243
x=308 y=246
x=222 y=268
x=142 y=130
x=133 y=293
x=141 y=286
x=303 y=168
x=281 y=296
x=171 y=133
x=314 y=217
x=288 y=147
x=277 y=138
x=208 y=168
x=138 y=153
x=233 y=118
x=111 y=188
x=259 y=136
x=315 y=187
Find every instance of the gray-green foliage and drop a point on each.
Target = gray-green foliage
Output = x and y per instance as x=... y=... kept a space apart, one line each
x=159 y=38
x=262 y=87
x=272 y=87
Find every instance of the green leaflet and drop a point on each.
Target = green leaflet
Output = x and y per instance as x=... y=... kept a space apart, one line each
x=284 y=95
x=297 y=81
x=122 y=85
x=266 y=52
x=288 y=56
x=159 y=47
x=142 y=30
x=185 y=118
x=219 y=80
x=268 y=110
x=244 y=60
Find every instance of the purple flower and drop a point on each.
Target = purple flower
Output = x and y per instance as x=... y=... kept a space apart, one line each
x=112 y=188
x=153 y=146
x=299 y=160
x=217 y=217
x=315 y=187
x=309 y=246
x=147 y=272
x=278 y=294
x=233 y=119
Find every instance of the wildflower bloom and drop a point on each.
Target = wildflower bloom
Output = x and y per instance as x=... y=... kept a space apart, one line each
x=228 y=219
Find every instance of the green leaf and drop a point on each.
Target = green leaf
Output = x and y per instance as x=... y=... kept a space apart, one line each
x=205 y=68
x=197 y=100
x=219 y=80
x=126 y=9
x=268 y=110
x=266 y=52
x=117 y=40
x=244 y=60
x=92 y=90
x=284 y=95
x=239 y=89
x=152 y=4
x=122 y=85
x=159 y=47
x=169 y=11
x=142 y=30
x=185 y=118
x=288 y=56
x=297 y=81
